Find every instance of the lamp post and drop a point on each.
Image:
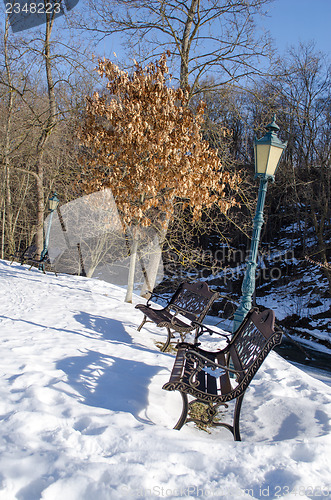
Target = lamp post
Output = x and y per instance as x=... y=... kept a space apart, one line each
x=53 y=202
x=267 y=153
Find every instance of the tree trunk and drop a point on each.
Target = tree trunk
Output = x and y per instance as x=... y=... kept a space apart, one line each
x=154 y=263
x=186 y=44
x=7 y=216
x=325 y=265
x=326 y=271
x=39 y=239
x=132 y=268
x=47 y=129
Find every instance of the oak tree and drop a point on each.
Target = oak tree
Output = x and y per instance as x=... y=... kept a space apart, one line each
x=145 y=143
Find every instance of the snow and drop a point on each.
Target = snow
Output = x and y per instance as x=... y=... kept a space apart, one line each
x=83 y=413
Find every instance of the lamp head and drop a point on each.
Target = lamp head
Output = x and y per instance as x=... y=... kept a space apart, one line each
x=268 y=151
x=53 y=202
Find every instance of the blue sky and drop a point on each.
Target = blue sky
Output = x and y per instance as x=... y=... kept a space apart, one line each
x=289 y=22
x=294 y=21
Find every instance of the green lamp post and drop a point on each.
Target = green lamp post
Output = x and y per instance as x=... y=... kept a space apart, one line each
x=267 y=153
x=53 y=202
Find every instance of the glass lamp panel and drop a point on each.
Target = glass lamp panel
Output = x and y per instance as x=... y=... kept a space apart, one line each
x=267 y=158
x=261 y=158
x=273 y=160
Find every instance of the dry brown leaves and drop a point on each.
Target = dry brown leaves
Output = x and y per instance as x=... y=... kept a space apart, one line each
x=146 y=145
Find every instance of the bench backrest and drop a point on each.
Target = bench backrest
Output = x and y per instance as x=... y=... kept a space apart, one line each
x=193 y=300
x=252 y=342
x=29 y=253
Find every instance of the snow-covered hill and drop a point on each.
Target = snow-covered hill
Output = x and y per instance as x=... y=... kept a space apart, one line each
x=84 y=416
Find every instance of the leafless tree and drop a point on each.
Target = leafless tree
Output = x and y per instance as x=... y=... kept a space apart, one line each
x=201 y=35
x=39 y=76
x=301 y=97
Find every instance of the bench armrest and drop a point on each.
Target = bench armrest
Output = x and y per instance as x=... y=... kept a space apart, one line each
x=201 y=329
x=192 y=354
x=152 y=294
x=204 y=363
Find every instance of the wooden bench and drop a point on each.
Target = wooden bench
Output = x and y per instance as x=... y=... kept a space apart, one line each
x=205 y=375
x=190 y=302
x=27 y=254
x=44 y=264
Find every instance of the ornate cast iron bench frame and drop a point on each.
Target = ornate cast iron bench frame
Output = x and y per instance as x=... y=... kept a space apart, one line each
x=25 y=255
x=44 y=263
x=190 y=303
x=205 y=375
x=29 y=256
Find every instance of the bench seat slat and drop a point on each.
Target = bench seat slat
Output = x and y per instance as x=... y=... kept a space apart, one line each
x=162 y=317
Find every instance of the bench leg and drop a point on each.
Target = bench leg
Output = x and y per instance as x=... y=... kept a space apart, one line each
x=167 y=343
x=236 y=416
x=183 y=416
x=142 y=323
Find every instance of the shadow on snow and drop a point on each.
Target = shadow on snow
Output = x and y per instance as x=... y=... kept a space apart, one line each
x=110 y=329
x=109 y=382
